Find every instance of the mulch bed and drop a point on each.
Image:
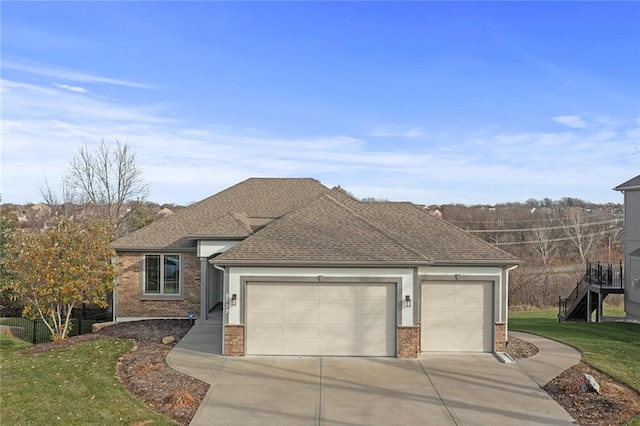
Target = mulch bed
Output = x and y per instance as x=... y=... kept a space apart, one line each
x=615 y=405
x=147 y=376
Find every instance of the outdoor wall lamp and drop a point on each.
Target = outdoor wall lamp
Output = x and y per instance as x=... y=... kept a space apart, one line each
x=234 y=299
x=407 y=301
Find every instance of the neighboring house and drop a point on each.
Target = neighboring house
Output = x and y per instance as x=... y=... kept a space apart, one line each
x=631 y=191
x=301 y=269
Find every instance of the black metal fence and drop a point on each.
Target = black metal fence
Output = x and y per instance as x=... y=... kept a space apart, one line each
x=36 y=331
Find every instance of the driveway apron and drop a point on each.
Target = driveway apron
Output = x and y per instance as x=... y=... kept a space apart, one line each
x=438 y=389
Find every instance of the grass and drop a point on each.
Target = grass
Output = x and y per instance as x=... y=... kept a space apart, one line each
x=613 y=348
x=71 y=386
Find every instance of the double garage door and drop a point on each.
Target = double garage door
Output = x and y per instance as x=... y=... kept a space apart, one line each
x=457 y=316
x=333 y=319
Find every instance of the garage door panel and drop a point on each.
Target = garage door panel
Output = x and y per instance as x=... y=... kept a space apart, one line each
x=269 y=303
x=371 y=318
x=437 y=316
x=302 y=332
x=338 y=305
x=372 y=305
x=340 y=332
x=266 y=317
x=266 y=332
x=368 y=333
x=457 y=316
x=268 y=292
x=297 y=291
x=299 y=347
x=321 y=319
x=469 y=290
x=338 y=317
x=469 y=344
x=441 y=291
x=301 y=317
x=301 y=304
x=469 y=316
x=442 y=302
x=439 y=328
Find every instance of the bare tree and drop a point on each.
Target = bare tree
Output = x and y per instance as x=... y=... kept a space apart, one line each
x=543 y=243
x=580 y=232
x=104 y=180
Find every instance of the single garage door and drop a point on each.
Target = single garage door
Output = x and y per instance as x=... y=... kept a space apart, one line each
x=457 y=316
x=320 y=319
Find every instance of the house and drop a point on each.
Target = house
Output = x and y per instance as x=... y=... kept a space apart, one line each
x=301 y=269
x=631 y=236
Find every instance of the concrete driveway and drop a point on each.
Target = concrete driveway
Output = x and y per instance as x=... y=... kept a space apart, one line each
x=468 y=389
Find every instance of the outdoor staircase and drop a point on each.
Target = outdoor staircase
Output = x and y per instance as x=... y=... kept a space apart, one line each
x=598 y=282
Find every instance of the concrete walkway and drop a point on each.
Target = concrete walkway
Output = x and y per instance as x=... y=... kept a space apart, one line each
x=447 y=389
x=551 y=360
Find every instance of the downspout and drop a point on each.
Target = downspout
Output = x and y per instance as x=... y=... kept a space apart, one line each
x=506 y=296
x=114 y=293
x=224 y=292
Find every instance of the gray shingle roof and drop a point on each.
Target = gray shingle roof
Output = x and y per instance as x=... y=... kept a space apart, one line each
x=338 y=229
x=225 y=214
x=302 y=221
x=633 y=183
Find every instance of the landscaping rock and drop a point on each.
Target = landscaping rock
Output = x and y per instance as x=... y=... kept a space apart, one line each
x=588 y=383
x=168 y=339
x=100 y=325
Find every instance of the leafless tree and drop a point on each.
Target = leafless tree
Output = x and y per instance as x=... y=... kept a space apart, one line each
x=104 y=180
x=578 y=229
x=543 y=243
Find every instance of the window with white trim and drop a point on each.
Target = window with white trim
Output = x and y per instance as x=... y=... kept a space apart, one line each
x=162 y=274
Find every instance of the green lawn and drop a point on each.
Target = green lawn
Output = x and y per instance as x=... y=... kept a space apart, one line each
x=72 y=386
x=613 y=348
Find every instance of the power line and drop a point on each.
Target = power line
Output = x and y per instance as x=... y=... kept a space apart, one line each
x=585 y=224
x=512 y=243
x=550 y=219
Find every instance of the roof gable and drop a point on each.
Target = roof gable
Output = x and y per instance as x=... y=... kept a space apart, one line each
x=324 y=231
x=339 y=229
x=232 y=213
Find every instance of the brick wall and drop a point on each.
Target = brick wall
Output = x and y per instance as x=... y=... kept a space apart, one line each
x=129 y=289
x=408 y=341
x=234 y=340
x=501 y=337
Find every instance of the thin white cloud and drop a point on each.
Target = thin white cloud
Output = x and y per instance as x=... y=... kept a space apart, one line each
x=76 y=89
x=411 y=133
x=44 y=126
x=573 y=121
x=70 y=75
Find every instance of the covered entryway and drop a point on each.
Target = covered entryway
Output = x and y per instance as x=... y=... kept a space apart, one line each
x=457 y=316
x=335 y=319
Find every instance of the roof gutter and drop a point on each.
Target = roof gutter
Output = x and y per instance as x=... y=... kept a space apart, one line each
x=296 y=263
x=154 y=249
x=477 y=262
x=366 y=264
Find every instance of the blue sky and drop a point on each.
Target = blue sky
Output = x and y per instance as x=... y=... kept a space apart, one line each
x=429 y=102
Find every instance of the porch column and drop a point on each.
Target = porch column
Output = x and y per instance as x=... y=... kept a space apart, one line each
x=204 y=279
x=588 y=305
x=600 y=308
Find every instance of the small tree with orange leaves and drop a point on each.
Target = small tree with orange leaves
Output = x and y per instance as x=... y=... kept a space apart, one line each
x=59 y=268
